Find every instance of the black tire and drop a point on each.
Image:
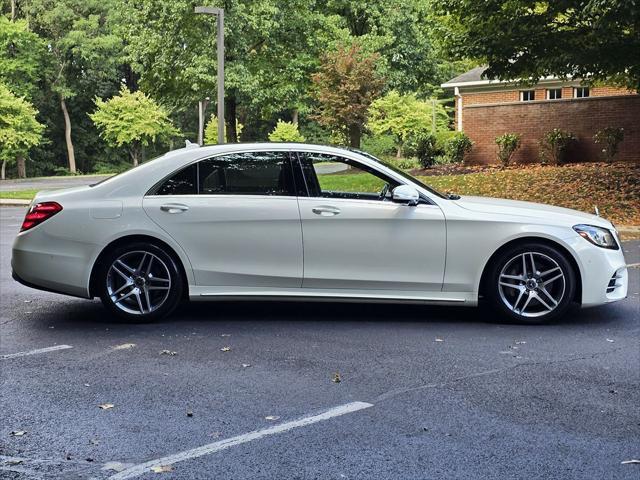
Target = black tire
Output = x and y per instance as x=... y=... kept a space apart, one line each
x=160 y=262
x=543 y=289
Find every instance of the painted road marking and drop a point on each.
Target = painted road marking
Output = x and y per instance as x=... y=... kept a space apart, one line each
x=146 y=467
x=34 y=352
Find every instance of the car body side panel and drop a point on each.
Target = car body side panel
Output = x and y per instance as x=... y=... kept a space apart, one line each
x=236 y=240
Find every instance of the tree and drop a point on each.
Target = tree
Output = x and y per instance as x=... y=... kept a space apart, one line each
x=271 y=47
x=345 y=86
x=405 y=117
x=133 y=120
x=286 y=132
x=83 y=48
x=523 y=39
x=19 y=129
x=21 y=57
x=211 y=130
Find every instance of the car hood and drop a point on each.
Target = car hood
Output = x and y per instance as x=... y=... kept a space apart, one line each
x=540 y=211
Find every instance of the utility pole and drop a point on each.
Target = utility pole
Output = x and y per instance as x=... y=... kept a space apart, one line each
x=219 y=13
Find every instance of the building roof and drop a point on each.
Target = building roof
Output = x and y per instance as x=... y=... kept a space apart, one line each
x=473 y=75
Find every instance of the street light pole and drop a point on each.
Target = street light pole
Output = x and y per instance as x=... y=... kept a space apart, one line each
x=219 y=13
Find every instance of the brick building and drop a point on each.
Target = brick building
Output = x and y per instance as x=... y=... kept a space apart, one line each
x=487 y=108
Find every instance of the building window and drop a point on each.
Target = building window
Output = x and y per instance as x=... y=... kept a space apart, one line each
x=580 y=92
x=554 y=93
x=527 y=95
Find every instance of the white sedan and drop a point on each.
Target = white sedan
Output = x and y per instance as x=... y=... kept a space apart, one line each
x=306 y=221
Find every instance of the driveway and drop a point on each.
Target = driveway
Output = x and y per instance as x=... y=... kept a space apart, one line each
x=248 y=390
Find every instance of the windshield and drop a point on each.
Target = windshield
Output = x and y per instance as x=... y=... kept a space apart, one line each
x=402 y=173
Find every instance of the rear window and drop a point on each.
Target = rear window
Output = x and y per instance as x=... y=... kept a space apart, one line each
x=250 y=173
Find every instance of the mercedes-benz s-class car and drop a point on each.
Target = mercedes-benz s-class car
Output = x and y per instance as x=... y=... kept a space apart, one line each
x=306 y=221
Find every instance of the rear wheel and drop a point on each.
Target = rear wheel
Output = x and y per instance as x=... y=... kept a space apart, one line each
x=140 y=282
x=531 y=283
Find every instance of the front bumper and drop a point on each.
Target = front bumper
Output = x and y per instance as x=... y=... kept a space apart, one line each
x=598 y=266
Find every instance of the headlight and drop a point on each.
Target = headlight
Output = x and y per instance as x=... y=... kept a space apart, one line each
x=597 y=235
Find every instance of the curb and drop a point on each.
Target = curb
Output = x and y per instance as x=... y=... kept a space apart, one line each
x=14 y=202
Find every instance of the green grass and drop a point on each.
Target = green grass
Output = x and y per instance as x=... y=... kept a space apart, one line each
x=19 y=194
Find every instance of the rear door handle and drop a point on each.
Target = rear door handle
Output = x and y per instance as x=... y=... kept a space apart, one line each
x=326 y=211
x=174 y=208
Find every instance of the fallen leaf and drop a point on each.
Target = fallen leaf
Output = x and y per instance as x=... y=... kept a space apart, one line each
x=246 y=365
x=28 y=301
x=610 y=341
x=162 y=469
x=94 y=441
x=106 y=406
x=17 y=433
x=271 y=417
x=521 y=342
x=214 y=434
x=168 y=352
x=631 y=462
x=87 y=385
x=189 y=413
x=124 y=346
x=225 y=349
x=88 y=459
x=439 y=340
x=13 y=461
x=225 y=335
x=336 y=378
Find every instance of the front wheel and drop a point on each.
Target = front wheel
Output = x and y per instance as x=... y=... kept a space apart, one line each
x=140 y=282
x=531 y=283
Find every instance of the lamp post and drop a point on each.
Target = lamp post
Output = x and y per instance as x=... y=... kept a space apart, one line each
x=219 y=13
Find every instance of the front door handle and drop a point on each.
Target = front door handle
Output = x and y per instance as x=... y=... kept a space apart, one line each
x=174 y=208
x=326 y=211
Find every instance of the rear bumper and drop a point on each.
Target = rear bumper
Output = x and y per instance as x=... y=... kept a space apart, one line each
x=54 y=264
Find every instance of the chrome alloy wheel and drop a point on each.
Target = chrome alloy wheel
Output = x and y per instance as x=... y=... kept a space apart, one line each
x=138 y=282
x=531 y=284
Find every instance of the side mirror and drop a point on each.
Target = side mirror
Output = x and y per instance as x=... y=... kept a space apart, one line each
x=406 y=194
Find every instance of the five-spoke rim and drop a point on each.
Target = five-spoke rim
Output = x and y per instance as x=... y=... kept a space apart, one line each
x=531 y=284
x=138 y=282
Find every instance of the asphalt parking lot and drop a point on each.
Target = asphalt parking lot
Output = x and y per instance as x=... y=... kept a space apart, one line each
x=247 y=390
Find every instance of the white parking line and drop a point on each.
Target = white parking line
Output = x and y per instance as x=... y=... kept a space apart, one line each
x=34 y=352
x=143 y=468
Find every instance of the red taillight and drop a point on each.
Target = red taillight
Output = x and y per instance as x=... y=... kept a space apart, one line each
x=38 y=213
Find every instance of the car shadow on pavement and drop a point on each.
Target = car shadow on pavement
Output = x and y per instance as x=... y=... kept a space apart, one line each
x=79 y=315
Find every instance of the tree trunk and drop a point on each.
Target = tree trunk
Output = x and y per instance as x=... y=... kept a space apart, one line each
x=355 y=133
x=399 y=151
x=22 y=166
x=134 y=151
x=13 y=10
x=294 y=116
x=67 y=136
x=3 y=171
x=230 y=118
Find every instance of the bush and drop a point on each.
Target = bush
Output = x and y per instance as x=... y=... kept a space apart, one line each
x=508 y=144
x=426 y=150
x=457 y=147
x=555 y=145
x=610 y=139
x=379 y=145
x=211 y=130
x=286 y=132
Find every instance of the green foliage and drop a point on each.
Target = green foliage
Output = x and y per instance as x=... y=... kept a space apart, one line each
x=19 y=129
x=381 y=145
x=345 y=86
x=555 y=145
x=521 y=39
x=286 y=132
x=508 y=144
x=133 y=120
x=610 y=138
x=211 y=130
x=456 y=147
x=405 y=117
x=22 y=56
x=426 y=150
